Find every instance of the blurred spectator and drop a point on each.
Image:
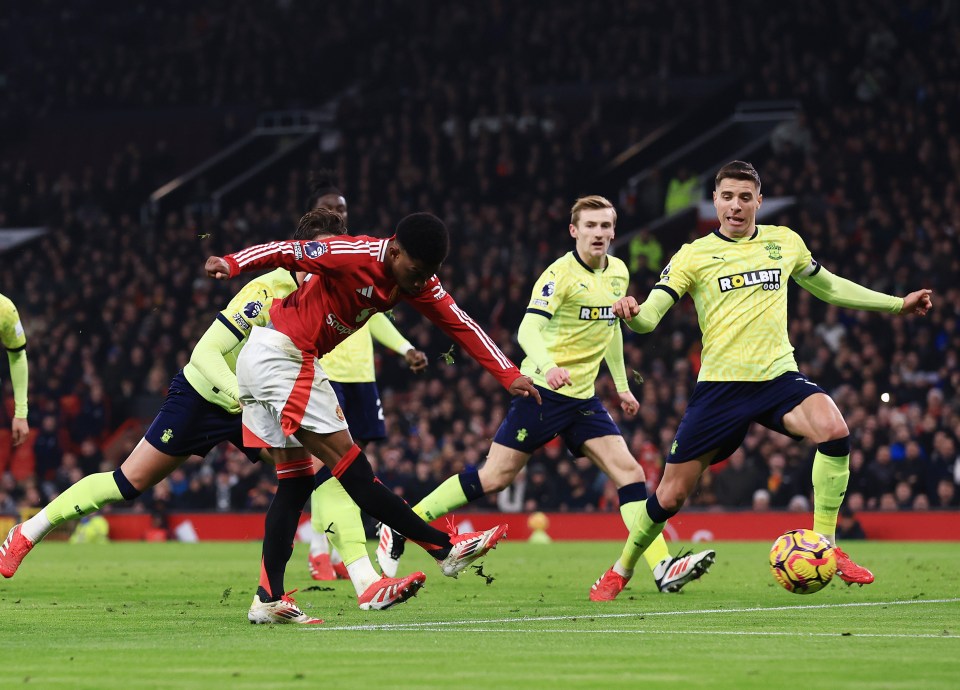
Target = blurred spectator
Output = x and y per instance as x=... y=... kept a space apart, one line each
x=848 y=527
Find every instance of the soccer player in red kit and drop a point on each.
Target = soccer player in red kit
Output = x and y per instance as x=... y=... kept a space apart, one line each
x=285 y=392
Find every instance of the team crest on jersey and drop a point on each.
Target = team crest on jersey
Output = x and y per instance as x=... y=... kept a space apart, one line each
x=548 y=289
x=340 y=413
x=768 y=279
x=252 y=309
x=315 y=249
x=616 y=287
x=773 y=250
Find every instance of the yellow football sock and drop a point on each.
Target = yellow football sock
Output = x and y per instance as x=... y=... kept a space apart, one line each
x=830 y=476
x=446 y=497
x=646 y=538
x=334 y=512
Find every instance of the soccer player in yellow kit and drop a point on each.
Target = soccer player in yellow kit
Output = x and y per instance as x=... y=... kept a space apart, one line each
x=352 y=375
x=568 y=329
x=737 y=277
x=15 y=341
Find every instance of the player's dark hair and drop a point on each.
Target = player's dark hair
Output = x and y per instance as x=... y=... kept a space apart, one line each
x=738 y=170
x=424 y=237
x=319 y=221
x=322 y=182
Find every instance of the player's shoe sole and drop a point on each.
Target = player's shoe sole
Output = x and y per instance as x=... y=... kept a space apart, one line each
x=390 y=591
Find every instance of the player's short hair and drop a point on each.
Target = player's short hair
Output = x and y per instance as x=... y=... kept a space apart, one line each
x=738 y=170
x=319 y=221
x=424 y=237
x=322 y=183
x=590 y=203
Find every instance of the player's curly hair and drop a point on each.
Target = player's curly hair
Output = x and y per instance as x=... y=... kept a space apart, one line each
x=319 y=221
x=322 y=182
x=738 y=170
x=424 y=237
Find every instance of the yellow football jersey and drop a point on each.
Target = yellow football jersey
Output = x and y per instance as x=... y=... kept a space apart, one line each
x=249 y=307
x=351 y=361
x=578 y=300
x=740 y=290
x=11 y=330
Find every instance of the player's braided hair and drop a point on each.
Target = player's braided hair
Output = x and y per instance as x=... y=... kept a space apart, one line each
x=424 y=237
x=319 y=221
x=738 y=170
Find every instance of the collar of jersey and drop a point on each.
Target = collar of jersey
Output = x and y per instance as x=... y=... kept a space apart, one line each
x=756 y=231
x=581 y=262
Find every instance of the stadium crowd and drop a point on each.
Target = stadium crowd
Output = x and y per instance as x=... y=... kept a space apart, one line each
x=447 y=122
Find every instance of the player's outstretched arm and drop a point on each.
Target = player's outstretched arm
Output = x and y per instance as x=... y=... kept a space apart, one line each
x=209 y=357
x=19 y=377
x=919 y=302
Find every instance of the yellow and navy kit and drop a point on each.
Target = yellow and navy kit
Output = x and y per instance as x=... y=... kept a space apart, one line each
x=578 y=301
x=739 y=288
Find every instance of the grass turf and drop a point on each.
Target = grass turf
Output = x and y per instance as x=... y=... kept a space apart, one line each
x=129 y=615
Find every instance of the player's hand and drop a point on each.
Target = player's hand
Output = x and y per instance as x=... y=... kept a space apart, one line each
x=919 y=303
x=626 y=307
x=629 y=404
x=558 y=377
x=21 y=430
x=523 y=386
x=217 y=267
x=416 y=360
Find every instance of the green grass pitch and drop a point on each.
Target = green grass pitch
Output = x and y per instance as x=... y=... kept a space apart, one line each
x=129 y=615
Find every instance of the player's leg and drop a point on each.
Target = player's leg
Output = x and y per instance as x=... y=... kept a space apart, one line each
x=818 y=419
x=146 y=465
x=333 y=514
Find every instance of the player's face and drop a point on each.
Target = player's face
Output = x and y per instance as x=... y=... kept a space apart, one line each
x=594 y=231
x=411 y=274
x=335 y=203
x=737 y=202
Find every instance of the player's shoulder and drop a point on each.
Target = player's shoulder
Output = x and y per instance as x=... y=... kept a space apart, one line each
x=770 y=232
x=6 y=304
x=558 y=269
x=616 y=266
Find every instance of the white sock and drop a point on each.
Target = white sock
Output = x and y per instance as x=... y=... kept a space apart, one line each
x=319 y=543
x=621 y=571
x=37 y=527
x=362 y=574
x=335 y=557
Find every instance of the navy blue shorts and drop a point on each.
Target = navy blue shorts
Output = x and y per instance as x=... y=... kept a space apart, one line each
x=361 y=406
x=528 y=425
x=719 y=413
x=187 y=424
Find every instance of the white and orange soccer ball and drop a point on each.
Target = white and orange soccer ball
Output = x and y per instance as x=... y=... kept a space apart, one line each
x=802 y=561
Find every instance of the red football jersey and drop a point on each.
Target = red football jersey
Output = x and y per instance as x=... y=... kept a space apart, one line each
x=350 y=283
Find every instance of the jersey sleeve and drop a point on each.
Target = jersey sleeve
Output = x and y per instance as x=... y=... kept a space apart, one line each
x=385 y=333
x=437 y=305
x=547 y=294
x=679 y=275
x=11 y=329
x=249 y=307
x=804 y=264
x=313 y=256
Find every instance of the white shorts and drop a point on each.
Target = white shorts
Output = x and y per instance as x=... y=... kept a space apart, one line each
x=282 y=390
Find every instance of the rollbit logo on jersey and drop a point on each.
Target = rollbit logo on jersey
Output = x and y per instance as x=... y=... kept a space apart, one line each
x=769 y=279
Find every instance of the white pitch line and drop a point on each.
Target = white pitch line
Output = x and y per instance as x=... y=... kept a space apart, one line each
x=595 y=616
x=688 y=632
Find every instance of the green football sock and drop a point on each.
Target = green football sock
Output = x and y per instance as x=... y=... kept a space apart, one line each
x=830 y=476
x=646 y=538
x=87 y=496
x=332 y=508
x=446 y=497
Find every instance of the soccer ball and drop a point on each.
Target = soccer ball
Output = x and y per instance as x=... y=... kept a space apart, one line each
x=802 y=561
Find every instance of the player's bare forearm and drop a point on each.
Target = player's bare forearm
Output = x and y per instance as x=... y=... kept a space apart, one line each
x=918 y=303
x=523 y=386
